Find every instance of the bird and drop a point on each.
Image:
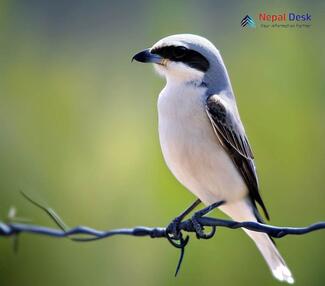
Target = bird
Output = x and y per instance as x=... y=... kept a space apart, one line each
x=202 y=138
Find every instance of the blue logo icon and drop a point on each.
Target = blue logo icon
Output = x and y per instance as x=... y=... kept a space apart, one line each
x=248 y=21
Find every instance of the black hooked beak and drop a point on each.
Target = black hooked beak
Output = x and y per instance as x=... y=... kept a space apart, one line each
x=147 y=57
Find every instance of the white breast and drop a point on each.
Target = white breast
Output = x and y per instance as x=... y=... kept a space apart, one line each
x=191 y=149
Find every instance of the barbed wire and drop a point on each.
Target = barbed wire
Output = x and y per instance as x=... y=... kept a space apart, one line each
x=10 y=228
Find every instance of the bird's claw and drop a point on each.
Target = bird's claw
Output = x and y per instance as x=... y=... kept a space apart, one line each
x=199 y=229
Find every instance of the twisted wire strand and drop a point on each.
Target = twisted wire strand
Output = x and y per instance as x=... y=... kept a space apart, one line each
x=11 y=229
x=87 y=234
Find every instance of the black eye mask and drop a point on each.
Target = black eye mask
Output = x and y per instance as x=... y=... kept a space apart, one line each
x=181 y=54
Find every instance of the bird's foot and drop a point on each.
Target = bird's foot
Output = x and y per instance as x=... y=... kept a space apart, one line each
x=173 y=231
x=198 y=227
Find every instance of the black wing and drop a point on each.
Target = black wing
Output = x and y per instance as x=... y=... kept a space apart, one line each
x=231 y=133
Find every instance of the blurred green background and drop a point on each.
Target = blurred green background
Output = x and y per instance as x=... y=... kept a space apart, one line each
x=78 y=128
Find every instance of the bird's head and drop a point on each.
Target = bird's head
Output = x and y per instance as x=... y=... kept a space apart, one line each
x=182 y=57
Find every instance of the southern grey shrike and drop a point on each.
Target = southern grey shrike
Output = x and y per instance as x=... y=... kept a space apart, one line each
x=202 y=137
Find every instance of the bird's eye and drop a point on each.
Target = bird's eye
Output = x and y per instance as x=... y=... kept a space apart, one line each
x=179 y=52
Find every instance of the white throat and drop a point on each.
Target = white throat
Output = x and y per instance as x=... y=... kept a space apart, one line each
x=180 y=74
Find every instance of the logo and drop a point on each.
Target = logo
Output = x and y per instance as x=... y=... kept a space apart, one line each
x=278 y=20
x=248 y=21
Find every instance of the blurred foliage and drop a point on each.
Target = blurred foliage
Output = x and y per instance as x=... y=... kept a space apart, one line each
x=78 y=129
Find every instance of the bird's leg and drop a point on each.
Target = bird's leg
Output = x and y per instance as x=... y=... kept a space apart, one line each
x=173 y=227
x=199 y=229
